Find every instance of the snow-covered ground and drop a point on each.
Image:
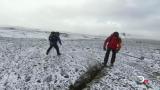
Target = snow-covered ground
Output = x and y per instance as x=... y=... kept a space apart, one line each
x=24 y=65
x=123 y=76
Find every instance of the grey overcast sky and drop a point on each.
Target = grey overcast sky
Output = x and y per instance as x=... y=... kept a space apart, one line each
x=140 y=17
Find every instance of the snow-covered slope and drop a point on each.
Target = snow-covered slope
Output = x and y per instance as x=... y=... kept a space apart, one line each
x=123 y=76
x=24 y=65
x=14 y=33
x=19 y=32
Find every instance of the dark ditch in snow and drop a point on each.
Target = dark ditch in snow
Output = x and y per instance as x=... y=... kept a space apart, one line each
x=94 y=73
x=87 y=77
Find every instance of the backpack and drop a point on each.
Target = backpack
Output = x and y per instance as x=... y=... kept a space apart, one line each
x=53 y=36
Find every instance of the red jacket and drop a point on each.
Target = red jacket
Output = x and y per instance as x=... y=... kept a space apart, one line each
x=113 y=42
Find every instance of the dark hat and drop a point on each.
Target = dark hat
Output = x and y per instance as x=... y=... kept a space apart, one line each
x=57 y=33
x=52 y=32
x=116 y=34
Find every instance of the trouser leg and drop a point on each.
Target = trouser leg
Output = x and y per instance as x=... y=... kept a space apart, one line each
x=113 y=57
x=107 y=56
x=57 y=49
x=49 y=49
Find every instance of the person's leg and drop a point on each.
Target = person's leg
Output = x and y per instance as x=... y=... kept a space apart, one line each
x=113 y=57
x=107 y=56
x=57 y=49
x=49 y=49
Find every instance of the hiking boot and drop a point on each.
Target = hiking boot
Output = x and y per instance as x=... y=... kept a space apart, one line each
x=104 y=64
x=112 y=64
x=59 y=54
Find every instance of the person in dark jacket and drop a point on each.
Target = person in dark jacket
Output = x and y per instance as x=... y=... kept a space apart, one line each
x=112 y=43
x=53 y=39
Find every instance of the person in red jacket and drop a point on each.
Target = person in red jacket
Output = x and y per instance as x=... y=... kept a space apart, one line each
x=112 y=43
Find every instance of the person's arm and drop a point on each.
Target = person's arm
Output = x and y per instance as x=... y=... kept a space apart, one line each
x=105 y=43
x=59 y=40
x=50 y=37
x=119 y=45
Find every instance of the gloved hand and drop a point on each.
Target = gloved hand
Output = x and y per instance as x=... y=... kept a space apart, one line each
x=117 y=50
x=104 y=48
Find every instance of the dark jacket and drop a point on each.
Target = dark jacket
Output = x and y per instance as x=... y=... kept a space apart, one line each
x=54 y=39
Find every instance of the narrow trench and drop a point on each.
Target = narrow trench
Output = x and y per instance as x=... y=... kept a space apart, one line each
x=87 y=77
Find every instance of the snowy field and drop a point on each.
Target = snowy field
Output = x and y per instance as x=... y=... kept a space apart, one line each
x=24 y=65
